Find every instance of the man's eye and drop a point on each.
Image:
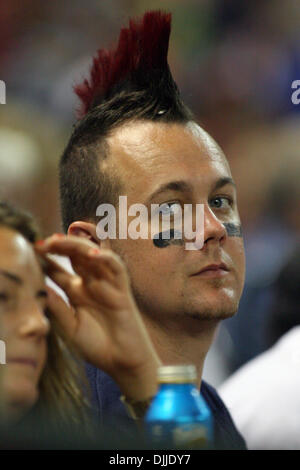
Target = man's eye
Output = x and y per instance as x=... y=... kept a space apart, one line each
x=221 y=202
x=172 y=208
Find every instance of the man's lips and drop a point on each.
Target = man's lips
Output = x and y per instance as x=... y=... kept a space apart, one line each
x=22 y=360
x=213 y=270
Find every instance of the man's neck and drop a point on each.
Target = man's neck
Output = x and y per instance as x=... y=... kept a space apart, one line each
x=182 y=342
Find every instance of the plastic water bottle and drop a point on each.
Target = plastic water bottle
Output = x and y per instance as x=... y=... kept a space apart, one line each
x=178 y=416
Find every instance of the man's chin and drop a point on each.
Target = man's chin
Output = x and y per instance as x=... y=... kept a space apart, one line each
x=213 y=315
x=214 y=310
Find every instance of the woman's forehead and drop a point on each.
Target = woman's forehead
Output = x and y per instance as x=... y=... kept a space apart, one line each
x=18 y=257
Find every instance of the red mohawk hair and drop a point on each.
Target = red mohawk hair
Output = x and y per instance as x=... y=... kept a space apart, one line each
x=142 y=49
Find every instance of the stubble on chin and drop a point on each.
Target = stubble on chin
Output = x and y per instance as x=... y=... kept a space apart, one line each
x=210 y=314
x=218 y=303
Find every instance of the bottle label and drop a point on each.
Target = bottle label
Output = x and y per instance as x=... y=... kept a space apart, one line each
x=191 y=435
x=188 y=435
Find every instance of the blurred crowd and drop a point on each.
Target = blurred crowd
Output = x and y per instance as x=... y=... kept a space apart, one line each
x=234 y=63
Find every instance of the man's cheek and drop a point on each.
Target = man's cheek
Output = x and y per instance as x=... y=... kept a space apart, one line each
x=235 y=248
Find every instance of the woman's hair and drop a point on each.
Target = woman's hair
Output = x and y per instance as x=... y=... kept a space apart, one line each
x=61 y=406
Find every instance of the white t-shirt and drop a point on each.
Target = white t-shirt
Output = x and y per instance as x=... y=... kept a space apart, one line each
x=263 y=396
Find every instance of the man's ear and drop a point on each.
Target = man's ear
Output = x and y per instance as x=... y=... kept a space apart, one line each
x=84 y=229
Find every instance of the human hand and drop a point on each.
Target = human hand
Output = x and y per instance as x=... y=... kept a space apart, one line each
x=102 y=320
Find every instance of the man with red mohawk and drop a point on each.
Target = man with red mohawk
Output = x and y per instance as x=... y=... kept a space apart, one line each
x=136 y=138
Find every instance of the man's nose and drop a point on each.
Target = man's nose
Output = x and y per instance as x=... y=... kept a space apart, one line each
x=214 y=229
x=34 y=322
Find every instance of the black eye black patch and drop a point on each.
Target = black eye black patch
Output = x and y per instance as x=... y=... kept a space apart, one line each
x=160 y=240
x=233 y=230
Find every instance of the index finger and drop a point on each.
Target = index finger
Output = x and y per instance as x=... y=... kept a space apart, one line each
x=86 y=257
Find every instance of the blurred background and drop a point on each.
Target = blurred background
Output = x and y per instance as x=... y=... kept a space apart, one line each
x=234 y=63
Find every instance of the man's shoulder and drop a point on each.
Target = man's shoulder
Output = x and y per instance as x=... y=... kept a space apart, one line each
x=106 y=402
x=226 y=433
x=212 y=397
x=105 y=393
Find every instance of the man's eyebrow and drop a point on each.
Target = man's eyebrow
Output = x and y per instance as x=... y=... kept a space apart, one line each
x=11 y=277
x=223 y=182
x=179 y=186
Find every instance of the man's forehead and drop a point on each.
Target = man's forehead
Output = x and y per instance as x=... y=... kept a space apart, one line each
x=206 y=143
x=149 y=153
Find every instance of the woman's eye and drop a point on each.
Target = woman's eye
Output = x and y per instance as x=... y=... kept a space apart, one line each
x=4 y=297
x=47 y=313
x=221 y=202
x=172 y=208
